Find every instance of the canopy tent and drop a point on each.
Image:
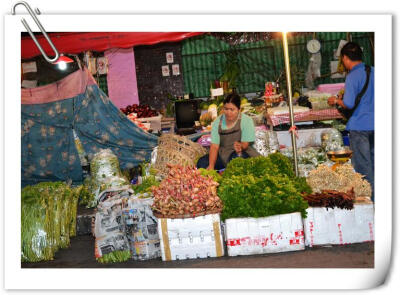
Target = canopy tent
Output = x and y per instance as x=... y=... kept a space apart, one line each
x=74 y=43
x=50 y=114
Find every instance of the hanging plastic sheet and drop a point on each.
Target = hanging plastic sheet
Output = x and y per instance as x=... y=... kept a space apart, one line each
x=49 y=115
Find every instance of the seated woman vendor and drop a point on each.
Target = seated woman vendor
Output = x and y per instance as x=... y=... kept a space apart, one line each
x=231 y=136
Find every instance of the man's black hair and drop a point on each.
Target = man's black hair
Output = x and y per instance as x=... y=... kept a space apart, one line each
x=233 y=98
x=352 y=50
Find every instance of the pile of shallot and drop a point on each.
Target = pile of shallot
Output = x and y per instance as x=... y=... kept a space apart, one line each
x=185 y=192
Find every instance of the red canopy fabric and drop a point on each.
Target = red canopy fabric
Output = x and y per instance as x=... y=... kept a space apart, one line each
x=97 y=41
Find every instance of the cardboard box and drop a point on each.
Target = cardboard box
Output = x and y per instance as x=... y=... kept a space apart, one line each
x=278 y=233
x=339 y=226
x=190 y=238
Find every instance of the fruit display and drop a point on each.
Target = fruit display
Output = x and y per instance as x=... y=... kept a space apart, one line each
x=141 y=111
x=185 y=192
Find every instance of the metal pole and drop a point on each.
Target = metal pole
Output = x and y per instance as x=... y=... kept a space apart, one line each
x=289 y=90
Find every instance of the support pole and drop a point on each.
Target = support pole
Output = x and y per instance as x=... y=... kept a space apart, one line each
x=289 y=90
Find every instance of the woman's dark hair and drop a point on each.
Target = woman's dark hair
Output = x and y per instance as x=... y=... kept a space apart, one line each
x=352 y=50
x=233 y=98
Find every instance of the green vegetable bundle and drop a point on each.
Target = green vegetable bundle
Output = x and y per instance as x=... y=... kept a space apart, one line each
x=214 y=174
x=116 y=256
x=261 y=187
x=48 y=219
x=274 y=164
x=145 y=186
x=105 y=173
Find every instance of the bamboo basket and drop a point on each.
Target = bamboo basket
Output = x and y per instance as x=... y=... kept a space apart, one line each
x=176 y=150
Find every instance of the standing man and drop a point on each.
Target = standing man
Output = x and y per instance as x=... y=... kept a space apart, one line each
x=361 y=123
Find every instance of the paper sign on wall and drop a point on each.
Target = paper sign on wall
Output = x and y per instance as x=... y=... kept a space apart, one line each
x=170 y=57
x=29 y=67
x=102 y=65
x=165 y=71
x=217 y=92
x=175 y=70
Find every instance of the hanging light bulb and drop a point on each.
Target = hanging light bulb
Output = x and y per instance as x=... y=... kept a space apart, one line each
x=62 y=65
x=62 y=61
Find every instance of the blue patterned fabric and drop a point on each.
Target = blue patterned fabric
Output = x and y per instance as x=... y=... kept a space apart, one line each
x=47 y=144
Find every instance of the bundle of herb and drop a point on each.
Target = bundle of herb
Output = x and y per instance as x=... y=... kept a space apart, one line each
x=146 y=185
x=214 y=174
x=261 y=187
x=249 y=196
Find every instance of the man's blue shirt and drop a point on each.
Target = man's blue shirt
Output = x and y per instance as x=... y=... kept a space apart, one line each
x=363 y=117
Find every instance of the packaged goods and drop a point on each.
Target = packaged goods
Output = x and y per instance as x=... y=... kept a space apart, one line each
x=125 y=224
x=266 y=142
x=319 y=100
x=141 y=228
x=105 y=173
x=331 y=140
x=285 y=110
x=312 y=156
x=111 y=243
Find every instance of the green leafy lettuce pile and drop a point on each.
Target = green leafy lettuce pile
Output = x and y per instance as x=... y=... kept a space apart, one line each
x=261 y=187
x=214 y=174
x=48 y=219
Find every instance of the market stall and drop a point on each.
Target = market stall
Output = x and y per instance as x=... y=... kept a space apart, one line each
x=134 y=168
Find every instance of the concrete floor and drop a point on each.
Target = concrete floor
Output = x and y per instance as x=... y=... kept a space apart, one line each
x=81 y=255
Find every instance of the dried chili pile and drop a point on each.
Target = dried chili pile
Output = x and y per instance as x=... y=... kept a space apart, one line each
x=331 y=199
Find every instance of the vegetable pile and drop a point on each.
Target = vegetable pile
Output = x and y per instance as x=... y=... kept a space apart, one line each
x=104 y=173
x=146 y=185
x=331 y=199
x=343 y=179
x=48 y=219
x=185 y=192
x=214 y=174
x=261 y=187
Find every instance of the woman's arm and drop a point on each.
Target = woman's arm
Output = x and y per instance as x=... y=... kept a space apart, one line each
x=213 y=156
x=244 y=145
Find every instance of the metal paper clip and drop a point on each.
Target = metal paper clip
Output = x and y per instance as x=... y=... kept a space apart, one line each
x=32 y=13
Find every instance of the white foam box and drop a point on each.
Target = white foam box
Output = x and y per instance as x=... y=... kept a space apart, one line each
x=273 y=234
x=339 y=226
x=306 y=137
x=190 y=238
x=155 y=122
